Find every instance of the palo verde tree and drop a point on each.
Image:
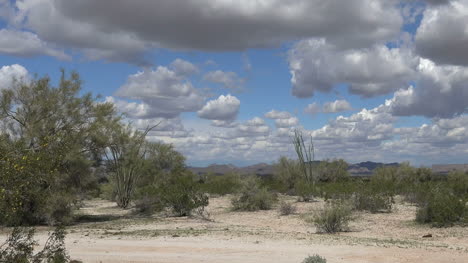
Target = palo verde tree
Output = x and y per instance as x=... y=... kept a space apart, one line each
x=49 y=139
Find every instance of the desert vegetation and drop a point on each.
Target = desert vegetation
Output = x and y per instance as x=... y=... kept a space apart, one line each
x=60 y=148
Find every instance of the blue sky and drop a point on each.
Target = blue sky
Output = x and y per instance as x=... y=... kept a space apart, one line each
x=231 y=80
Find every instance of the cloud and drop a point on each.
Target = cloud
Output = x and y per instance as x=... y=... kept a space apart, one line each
x=164 y=92
x=443 y=33
x=222 y=108
x=26 y=44
x=100 y=32
x=183 y=68
x=9 y=74
x=50 y=20
x=366 y=127
x=274 y=114
x=337 y=106
x=224 y=124
x=252 y=128
x=229 y=80
x=317 y=65
x=313 y=108
x=440 y=91
x=286 y=123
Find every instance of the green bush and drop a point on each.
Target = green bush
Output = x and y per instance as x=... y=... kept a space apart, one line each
x=333 y=218
x=222 y=184
x=372 y=201
x=305 y=190
x=252 y=197
x=19 y=247
x=314 y=259
x=286 y=209
x=458 y=182
x=343 y=190
x=332 y=171
x=442 y=208
x=182 y=193
x=287 y=172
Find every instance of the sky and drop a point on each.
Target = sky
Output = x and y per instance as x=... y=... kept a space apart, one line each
x=230 y=81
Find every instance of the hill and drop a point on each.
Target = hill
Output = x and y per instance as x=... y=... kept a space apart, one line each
x=263 y=169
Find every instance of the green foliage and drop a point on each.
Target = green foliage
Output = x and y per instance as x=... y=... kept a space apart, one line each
x=342 y=190
x=442 y=208
x=378 y=194
x=333 y=218
x=373 y=201
x=332 y=171
x=182 y=193
x=125 y=155
x=49 y=140
x=253 y=197
x=287 y=173
x=458 y=182
x=305 y=190
x=19 y=247
x=314 y=259
x=286 y=209
x=165 y=182
x=222 y=184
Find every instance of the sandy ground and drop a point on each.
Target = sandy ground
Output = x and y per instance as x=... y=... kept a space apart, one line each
x=109 y=234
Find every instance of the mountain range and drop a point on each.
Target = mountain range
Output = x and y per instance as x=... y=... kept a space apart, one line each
x=262 y=169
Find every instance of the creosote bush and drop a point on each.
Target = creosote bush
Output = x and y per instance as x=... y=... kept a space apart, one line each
x=252 y=197
x=334 y=217
x=442 y=208
x=314 y=259
x=182 y=193
x=372 y=201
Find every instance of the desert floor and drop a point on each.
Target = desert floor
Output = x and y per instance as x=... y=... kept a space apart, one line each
x=109 y=234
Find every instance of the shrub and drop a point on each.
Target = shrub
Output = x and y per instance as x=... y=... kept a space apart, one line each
x=252 y=197
x=337 y=190
x=332 y=171
x=286 y=208
x=287 y=172
x=19 y=247
x=458 y=182
x=182 y=193
x=222 y=184
x=306 y=191
x=49 y=139
x=333 y=218
x=314 y=259
x=372 y=201
x=442 y=208
x=148 y=205
x=108 y=191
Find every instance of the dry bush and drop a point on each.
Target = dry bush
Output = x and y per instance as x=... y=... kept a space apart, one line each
x=287 y=208
x=333 y=218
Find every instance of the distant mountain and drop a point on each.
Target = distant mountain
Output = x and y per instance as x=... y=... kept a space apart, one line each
x=263 y=169
x=447 y=168
x=366 y=168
